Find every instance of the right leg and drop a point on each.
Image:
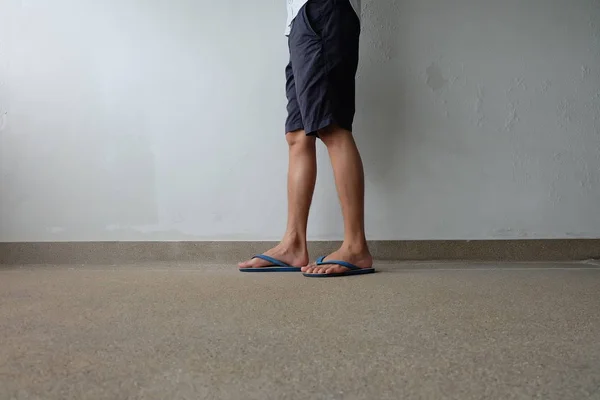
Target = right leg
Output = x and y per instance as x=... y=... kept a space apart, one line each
x=302 y=175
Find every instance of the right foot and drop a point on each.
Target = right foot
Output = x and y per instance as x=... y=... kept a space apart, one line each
x=294 y=256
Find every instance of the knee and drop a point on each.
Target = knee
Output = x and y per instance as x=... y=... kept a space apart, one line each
x=299 y=140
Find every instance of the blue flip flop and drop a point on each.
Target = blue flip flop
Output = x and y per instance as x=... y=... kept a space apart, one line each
x=277 y=266
x=352 y=269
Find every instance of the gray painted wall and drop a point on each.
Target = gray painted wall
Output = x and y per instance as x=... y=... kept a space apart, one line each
x=155 y=120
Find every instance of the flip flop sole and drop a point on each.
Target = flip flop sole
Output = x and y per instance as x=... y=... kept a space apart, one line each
x=271 y=269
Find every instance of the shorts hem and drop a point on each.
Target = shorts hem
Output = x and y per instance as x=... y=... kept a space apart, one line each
x=324 y=123
x=293 y=128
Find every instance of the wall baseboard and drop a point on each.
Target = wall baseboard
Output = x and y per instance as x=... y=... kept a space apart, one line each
x=231 y=252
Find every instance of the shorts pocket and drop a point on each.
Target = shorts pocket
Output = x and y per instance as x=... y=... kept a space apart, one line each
x=312 y=24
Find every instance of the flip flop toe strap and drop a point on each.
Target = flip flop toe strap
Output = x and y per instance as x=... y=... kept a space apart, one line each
x=272 y=260
x=321 y=261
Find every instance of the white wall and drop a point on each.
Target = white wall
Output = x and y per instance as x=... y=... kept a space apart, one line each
x=163 y=120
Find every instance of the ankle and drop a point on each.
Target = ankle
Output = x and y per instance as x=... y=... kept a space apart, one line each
x=294 y=241
x=357 y=247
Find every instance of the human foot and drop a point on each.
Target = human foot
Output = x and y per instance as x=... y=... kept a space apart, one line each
x=361 y=259
x=296 y=256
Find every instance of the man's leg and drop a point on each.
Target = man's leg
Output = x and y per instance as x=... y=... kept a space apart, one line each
x=302 y=175
x=350 y=183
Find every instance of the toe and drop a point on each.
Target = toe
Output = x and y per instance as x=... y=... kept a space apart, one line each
x=254 y=263
x=312 y=269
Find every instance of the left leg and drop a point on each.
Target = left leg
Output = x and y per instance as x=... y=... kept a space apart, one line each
x=349 y=179
x=336 y=29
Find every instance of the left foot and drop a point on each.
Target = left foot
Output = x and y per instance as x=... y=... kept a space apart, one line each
x=362 y=259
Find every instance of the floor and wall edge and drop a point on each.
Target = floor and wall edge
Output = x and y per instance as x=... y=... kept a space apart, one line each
x=231 y=252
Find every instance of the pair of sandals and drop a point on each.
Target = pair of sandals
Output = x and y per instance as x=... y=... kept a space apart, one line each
x=280 y=266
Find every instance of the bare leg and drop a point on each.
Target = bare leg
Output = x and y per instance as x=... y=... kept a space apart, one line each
x=350 y=182
x=302 y=175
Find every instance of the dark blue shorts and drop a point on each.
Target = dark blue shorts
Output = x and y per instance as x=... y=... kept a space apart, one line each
x=320 y=76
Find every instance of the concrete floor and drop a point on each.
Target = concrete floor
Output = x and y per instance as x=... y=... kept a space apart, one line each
x=413 y=331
